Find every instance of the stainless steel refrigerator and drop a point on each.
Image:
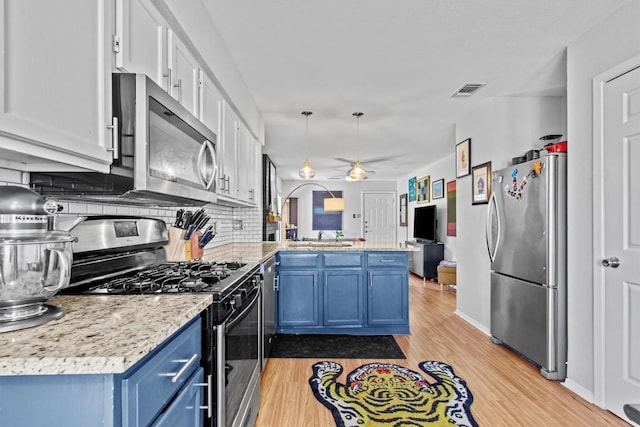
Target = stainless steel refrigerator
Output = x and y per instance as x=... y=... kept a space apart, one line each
x=526 y=240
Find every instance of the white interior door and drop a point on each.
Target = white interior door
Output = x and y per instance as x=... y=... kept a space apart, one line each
x=379 y=217
x=621 y=261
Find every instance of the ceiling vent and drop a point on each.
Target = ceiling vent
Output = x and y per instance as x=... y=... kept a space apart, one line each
x=467 y=89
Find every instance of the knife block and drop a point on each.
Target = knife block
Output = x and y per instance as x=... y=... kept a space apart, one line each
x=196 y=250
x=179 y=249
x=176 y=248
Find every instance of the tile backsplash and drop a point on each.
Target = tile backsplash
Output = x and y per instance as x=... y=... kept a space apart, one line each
x=224 y=216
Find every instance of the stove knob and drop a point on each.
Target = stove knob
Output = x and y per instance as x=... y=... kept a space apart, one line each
x=237 y=298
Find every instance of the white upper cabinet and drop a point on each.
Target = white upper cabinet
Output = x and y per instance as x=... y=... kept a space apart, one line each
x=140 y=40
x=249 y=167
x=211 y=101
x=184 y=74
x=228 y=158
x=55 y=80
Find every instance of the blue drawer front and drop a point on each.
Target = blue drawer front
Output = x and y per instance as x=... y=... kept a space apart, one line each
x=389 y=259
x=154 y=381
x=288 y=259
x=185 y=410
x=343 y=259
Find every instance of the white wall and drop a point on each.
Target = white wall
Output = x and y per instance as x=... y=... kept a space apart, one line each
x=614 y=40
x=500 y=130
x=439 y=169
x=353 y=195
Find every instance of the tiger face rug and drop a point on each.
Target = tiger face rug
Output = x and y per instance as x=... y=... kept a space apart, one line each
x=386 y=394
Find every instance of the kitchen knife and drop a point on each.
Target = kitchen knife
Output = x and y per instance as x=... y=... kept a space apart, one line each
x=207 y=236
x=178 y=222
x=186 y=219
x=190 y=229
x=203 y=221
x=197 y=216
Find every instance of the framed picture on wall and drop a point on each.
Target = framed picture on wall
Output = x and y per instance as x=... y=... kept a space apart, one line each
x=403 y=210
x=481 y=184
x=463 y=158
x=325 y=220
x=412 y=189
x=422 y=189
x=451 y=208
x=437 y=189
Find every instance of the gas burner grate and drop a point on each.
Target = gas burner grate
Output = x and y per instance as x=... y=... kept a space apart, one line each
x=171 y=277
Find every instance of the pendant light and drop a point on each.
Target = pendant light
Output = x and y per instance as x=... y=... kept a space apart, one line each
x=357 y=173
x=307 y=171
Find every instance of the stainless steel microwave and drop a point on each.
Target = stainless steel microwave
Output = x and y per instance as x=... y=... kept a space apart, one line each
x=163 y=154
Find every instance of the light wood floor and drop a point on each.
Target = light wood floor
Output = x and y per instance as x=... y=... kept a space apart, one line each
x=507 y=390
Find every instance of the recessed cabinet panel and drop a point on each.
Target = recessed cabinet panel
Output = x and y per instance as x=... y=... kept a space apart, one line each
x=185 y=410
x=55 y=81
x=343 y=297
x=184 y=74
x=297 y=259
x=211 y=105
x=227 y=167
x=388 y=297
x=298 y=298
x=142 y=40
x=343 y=259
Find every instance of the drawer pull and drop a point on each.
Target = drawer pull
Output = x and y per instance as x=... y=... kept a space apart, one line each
x=387 y=260
x=209 y=405
x=176 y=375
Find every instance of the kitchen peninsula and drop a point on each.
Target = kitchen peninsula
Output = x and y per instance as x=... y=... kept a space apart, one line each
x=85 y=368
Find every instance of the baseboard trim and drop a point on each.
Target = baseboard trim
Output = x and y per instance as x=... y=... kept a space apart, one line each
x=473 y=322
x=580 y=390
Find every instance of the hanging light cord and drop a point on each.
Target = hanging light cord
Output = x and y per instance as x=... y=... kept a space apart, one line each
x=357 y=115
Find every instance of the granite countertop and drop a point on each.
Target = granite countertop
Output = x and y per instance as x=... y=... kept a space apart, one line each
x=97 y=334
x=261 y=251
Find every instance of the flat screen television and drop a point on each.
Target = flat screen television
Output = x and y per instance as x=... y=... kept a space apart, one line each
x=424 y=223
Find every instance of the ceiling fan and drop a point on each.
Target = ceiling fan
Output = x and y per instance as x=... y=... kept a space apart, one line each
x=349 y=166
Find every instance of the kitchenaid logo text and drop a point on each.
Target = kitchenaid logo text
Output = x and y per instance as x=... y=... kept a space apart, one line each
x=24 y=218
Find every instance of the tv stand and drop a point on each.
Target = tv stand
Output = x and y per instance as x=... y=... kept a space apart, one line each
x=424 y=263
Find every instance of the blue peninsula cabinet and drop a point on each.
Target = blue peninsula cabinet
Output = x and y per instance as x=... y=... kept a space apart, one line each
x=343 y=292
x=164 y=388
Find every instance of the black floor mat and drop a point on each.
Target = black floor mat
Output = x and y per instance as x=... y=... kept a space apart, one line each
x=336 y=347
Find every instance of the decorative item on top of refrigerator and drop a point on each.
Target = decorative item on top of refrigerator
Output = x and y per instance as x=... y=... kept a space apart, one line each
x=526 y=240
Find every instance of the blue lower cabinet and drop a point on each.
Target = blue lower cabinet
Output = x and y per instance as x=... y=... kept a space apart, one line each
x=343 y=292
x=298 y=298
x=343 y=299
x=388 y=298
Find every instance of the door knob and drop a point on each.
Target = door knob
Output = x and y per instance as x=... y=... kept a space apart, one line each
x=612 y=262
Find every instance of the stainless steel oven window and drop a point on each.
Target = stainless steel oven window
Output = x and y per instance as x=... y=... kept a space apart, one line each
x=238 y=362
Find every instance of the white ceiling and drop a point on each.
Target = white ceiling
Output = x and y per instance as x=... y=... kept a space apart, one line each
x=398 y=62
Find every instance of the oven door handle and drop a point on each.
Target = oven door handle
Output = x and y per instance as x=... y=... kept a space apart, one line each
x=235 y=320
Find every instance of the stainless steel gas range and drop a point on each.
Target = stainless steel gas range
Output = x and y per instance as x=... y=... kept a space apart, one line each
x=124 y=256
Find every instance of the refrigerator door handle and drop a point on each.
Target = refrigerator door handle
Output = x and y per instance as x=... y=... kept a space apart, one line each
x=492 y=203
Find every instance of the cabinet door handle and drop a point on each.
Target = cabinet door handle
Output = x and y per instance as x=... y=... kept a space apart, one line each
x=178 y=85
x=115 y=144
x=209 y=406
x=276 y=283
x=169 y=80
x=187 y=362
